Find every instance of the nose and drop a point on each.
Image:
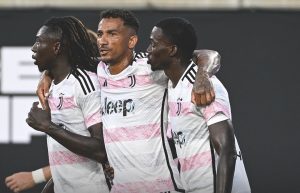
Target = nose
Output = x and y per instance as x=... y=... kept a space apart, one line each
x=149 y=48
x=101 y=40
x=33 y=48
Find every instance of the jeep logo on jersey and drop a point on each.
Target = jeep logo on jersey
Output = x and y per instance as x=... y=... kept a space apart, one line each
x=179 y=138
x=118 y=106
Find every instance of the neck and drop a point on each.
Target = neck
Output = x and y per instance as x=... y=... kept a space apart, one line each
x=176 y=70
x=116 y=68
x=60 y=70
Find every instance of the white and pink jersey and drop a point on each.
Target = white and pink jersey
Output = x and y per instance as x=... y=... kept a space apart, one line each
x=75 y=105
x=135 y=141
x=191 y=135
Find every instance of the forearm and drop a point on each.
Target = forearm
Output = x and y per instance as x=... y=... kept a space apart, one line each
x=225 y=172
x=90 y=147
x=208 y=61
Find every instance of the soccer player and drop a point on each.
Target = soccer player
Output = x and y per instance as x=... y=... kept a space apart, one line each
x=73 y=127
x=203 y=136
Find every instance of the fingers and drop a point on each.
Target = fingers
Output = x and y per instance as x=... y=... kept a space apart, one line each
x=35 y=104
x=46 y=104
x=11 y=184
x=42 y=96
x=204 y=98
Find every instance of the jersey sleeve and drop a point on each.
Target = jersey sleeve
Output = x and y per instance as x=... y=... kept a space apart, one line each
x=218 y=110
x=89 y=101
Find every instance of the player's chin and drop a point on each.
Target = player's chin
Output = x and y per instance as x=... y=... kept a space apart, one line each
x=105 y=58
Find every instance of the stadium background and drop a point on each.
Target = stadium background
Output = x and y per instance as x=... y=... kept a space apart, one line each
x=260 y=62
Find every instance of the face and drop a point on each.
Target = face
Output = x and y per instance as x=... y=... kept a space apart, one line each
x=114 y=40
x=43 y=50
x=158 y=50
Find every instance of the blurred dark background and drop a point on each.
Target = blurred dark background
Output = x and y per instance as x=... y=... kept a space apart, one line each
x=260 y=63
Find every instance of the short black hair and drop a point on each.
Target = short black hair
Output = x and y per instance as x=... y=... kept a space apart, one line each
x=181 y=33
x=75 y=41
x=127 y=16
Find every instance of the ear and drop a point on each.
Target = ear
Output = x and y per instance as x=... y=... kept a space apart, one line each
x=173 y=50
x=132 y=41
x=57 y=48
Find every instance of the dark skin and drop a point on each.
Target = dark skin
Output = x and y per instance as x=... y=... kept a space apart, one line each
x=49 y=56
x=163 y=55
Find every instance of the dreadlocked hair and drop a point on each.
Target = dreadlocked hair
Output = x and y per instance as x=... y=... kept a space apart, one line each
x=75 y=42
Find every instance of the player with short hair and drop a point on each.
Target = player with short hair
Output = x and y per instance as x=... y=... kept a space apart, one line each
x=204 y=138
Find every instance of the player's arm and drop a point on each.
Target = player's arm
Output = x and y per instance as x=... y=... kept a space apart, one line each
x=25 y=180
x=88 y=146
x=222 y=138
x=208 y=62
x=43 y=87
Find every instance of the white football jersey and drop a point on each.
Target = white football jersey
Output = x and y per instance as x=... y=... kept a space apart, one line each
x=189 y=124
x=135 y=137
x=75 y=106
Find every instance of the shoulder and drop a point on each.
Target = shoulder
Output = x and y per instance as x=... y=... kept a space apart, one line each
x=189 y=75
x=86 y=81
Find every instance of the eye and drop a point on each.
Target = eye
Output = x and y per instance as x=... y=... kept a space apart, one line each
x=112 y=34
x=99 y=34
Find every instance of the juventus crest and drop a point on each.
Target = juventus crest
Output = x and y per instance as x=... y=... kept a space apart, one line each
x=61 y=99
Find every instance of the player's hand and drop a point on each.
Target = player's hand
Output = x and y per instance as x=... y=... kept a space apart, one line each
x=38 y=118
x=20 y=181
x=43 y=88
x=203 y=92
x=109 y=172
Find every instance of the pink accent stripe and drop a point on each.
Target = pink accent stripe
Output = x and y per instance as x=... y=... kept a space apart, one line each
x=159 y=185
x=92 y=119
x=195 y=161
x=185 y=108
x=140 y=80
x=131 y=133
x=68 y=103
x=65 y=157
x=214 y=108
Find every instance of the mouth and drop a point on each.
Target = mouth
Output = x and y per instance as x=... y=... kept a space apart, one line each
x=103 y=52
x=34 y=58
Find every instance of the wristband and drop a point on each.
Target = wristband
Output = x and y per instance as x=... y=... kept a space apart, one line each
x=38 y=176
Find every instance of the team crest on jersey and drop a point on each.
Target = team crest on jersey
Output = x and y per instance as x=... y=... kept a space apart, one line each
x=179 y=106
x=105 y=83
x=61 y=100
x=132 y=80
x=179 y=138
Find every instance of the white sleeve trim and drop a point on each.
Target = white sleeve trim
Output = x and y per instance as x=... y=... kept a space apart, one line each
x=217 y=118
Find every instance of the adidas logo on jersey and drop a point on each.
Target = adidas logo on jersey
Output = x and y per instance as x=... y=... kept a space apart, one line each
x=118 y=106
